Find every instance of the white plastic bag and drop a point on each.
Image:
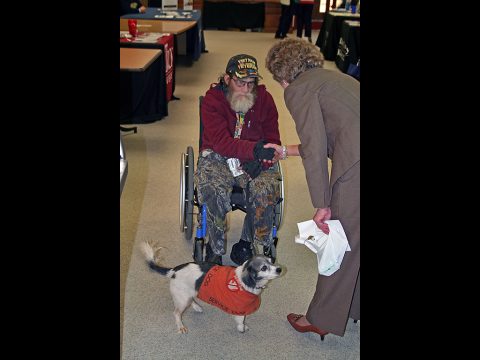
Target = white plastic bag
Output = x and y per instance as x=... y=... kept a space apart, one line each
x=330 y=248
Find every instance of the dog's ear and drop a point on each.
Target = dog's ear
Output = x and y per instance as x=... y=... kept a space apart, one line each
x=249 y=276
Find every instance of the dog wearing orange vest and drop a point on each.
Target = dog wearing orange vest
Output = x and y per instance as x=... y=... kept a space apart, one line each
x=235 y=290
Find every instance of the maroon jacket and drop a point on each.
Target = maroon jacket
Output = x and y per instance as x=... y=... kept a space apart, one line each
x=261 y=122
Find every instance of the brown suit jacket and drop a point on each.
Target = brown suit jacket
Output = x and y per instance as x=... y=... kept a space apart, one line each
x=325 y=106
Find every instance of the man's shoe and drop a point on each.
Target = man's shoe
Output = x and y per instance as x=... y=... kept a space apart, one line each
x=241 y=252
x=277 y=36
x=293 y=318
x=211 y=257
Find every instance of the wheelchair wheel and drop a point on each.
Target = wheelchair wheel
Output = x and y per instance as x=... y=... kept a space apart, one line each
x=186 y=193
x=280 y=207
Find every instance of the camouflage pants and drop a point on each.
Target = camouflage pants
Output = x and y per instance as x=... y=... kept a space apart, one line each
x=214 y=182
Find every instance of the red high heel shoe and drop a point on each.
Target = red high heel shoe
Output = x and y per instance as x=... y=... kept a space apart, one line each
x=293 y=318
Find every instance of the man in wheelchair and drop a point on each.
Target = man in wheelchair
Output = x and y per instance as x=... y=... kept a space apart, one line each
x=238 y=117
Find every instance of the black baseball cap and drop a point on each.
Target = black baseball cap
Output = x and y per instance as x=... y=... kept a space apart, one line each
x=243 y=66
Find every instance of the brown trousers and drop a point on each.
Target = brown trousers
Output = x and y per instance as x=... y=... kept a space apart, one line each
x=337 y=297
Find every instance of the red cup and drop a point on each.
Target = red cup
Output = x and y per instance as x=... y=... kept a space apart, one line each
x=132 y=27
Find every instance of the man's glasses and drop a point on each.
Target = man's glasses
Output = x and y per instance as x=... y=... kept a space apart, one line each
x=242 y=83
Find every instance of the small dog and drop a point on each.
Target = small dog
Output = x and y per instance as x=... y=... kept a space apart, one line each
x=235 y=290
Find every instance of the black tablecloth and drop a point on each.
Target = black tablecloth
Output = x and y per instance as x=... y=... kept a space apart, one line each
x=329 y=35
x=349 y=45
x=229 y=14
x=143 y=99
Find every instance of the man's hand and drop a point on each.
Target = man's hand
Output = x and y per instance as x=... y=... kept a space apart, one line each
x=321 y=215
x=260 y=153
x=252 y=168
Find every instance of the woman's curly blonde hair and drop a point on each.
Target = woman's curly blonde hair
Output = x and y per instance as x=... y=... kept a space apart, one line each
x=289 y=58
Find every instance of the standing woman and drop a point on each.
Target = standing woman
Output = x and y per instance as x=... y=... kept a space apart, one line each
x=285 y=20
x=303 y=10
x=325 y=106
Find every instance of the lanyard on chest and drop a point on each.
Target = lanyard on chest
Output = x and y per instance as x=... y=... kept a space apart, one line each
x=239 y=125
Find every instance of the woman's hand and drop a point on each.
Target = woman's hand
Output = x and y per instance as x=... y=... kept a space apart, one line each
x=321 y=215
x=278 y=151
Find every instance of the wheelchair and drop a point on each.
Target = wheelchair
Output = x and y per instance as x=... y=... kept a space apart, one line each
x=189 y=199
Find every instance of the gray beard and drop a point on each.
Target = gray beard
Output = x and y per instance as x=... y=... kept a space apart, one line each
x=241 y=102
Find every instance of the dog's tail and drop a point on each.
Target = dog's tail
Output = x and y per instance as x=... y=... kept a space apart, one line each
x=150 y=255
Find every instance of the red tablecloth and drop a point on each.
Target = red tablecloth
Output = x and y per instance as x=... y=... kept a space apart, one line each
x=167 y=42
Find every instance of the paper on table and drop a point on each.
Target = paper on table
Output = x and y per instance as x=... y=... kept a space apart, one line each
x=330 y=248
x=150 y=37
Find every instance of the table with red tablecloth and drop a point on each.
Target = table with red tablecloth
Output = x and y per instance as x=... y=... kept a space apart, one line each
x=194 y=38
x=162 y=41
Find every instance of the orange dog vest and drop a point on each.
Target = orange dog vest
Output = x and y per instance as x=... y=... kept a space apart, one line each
x=221 y=288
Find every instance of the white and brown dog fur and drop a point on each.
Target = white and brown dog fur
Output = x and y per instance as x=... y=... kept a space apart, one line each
x=186 y=279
